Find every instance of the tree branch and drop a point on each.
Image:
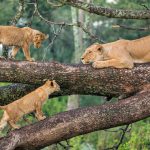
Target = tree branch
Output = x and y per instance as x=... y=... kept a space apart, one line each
x=109 y=12
x=14 y=91
x=19 y=13
x=131 y=28
x=116 y=146
x=77 y=122
x=77 y=24
x=73 y=79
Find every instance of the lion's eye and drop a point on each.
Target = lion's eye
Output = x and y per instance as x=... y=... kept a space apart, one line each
x=99 y=49
x=89 y=51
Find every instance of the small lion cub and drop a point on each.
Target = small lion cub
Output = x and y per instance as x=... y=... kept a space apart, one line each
x=27 y=104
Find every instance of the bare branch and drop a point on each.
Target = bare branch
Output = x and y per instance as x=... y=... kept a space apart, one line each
x=19 y=14
x=78 y=24
x=54 y=5
x=131 y=28
x=52 y=42
x=109 y=12
x=145 y=6
x=116 y=147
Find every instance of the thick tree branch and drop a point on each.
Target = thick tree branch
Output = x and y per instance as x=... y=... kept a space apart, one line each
x=73 y=79
x=13 y=92
x=109 y=12
x=77 y=122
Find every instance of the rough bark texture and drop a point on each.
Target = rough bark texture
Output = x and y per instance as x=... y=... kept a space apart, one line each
x=73 y=79
x=77 y=122
x=13 y=92
x=109 y=12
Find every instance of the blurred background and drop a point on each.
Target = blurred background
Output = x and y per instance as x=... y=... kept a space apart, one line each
x=66 y=44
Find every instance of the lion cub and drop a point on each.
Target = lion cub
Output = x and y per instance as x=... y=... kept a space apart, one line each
x=27 y=104
x=118 y=54
x=21 y=38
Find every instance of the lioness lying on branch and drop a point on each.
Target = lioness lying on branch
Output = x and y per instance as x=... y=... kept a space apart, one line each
x=118 y=54
x=27 y=104
x=21 y=38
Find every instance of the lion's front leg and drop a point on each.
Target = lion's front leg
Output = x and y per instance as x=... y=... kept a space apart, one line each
x=39 y=114
x=27 y=52
x=14 y=52
x=112 y=63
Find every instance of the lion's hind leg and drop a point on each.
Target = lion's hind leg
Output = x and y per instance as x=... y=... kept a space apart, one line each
x=4 y=120
x=26 y=52
x=14 y=52
x=12 y=123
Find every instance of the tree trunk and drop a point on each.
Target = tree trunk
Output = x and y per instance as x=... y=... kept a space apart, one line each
x=74 y=79
x=77 y=16
x=73 y=100
x=77 y=122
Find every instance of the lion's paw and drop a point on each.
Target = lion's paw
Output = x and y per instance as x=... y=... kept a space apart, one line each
x=31 y=59
x=95 y=65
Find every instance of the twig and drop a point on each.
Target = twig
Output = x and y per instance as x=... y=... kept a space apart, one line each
x=124 y=131
x=120 y=129
x=131 y=28
x=52 y=41
x=78 y=24
x=145 y=6
x=66 y=147
x=19 y=14
x=55 y=5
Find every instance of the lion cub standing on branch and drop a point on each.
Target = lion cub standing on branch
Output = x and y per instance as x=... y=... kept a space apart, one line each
x=21 y=38
x=118 y=54
x=27 y=104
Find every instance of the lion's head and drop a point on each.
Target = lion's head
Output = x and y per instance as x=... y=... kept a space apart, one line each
x=52 y=85
x=92 y=53
x=38 y=37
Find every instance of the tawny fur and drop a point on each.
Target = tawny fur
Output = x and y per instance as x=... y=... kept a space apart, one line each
x=118 y=54
x=27 y=104
x=21 y=38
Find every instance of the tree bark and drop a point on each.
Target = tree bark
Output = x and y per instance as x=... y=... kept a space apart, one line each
x=77 y=122
x=14 y=91
x=109 y=12
x=73 y=79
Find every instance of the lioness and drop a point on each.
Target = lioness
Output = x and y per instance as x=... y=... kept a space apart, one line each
x=27 y=104
x=118 y=54
x=21 y=38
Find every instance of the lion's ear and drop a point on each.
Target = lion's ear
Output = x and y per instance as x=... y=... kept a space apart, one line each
x=46 y=36
x=52 y=84
x=48 y=82
x=99 y=47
